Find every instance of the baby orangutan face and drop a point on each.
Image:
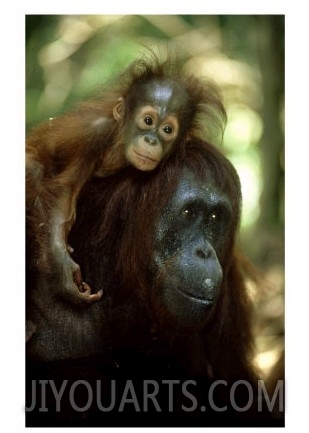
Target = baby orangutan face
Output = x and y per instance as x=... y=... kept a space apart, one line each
x=152 y=131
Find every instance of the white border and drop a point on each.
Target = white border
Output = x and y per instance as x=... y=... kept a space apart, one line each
x=12 y=221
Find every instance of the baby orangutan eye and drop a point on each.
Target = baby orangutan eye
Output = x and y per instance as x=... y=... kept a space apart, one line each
x=168 y=129
x=148 y=120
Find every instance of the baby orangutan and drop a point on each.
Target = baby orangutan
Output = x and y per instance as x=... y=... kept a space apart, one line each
x=148 y=113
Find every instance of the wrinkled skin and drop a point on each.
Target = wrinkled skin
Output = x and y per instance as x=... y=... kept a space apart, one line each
x=190 y=243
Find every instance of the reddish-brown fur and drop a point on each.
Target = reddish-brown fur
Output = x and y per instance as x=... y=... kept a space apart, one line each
x=64 y=153
x=113 y=239
x=120 y=215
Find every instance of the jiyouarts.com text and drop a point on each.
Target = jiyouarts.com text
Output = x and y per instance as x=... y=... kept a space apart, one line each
x=44 y=391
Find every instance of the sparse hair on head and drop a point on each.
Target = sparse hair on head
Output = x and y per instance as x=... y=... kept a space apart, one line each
x=204 y=115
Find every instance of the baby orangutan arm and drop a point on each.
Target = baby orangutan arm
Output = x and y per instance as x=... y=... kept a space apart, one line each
x=61 y=157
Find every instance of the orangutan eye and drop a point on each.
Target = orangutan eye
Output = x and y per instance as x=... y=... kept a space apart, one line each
x=168 y=129
x=189 y=211
x=219 y=215
x=148 y=120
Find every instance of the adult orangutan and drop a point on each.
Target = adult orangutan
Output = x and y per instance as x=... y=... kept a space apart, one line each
x=174 y=323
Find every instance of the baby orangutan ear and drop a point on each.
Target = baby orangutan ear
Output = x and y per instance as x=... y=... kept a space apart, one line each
x=118 y=109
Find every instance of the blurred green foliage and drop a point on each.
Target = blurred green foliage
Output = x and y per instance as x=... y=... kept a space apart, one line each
x=69 y=57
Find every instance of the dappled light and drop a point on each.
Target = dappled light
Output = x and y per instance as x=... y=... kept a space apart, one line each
x=69 y=57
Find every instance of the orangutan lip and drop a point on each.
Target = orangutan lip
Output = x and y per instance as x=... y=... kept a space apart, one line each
x=144 y=157
x=204 y=301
